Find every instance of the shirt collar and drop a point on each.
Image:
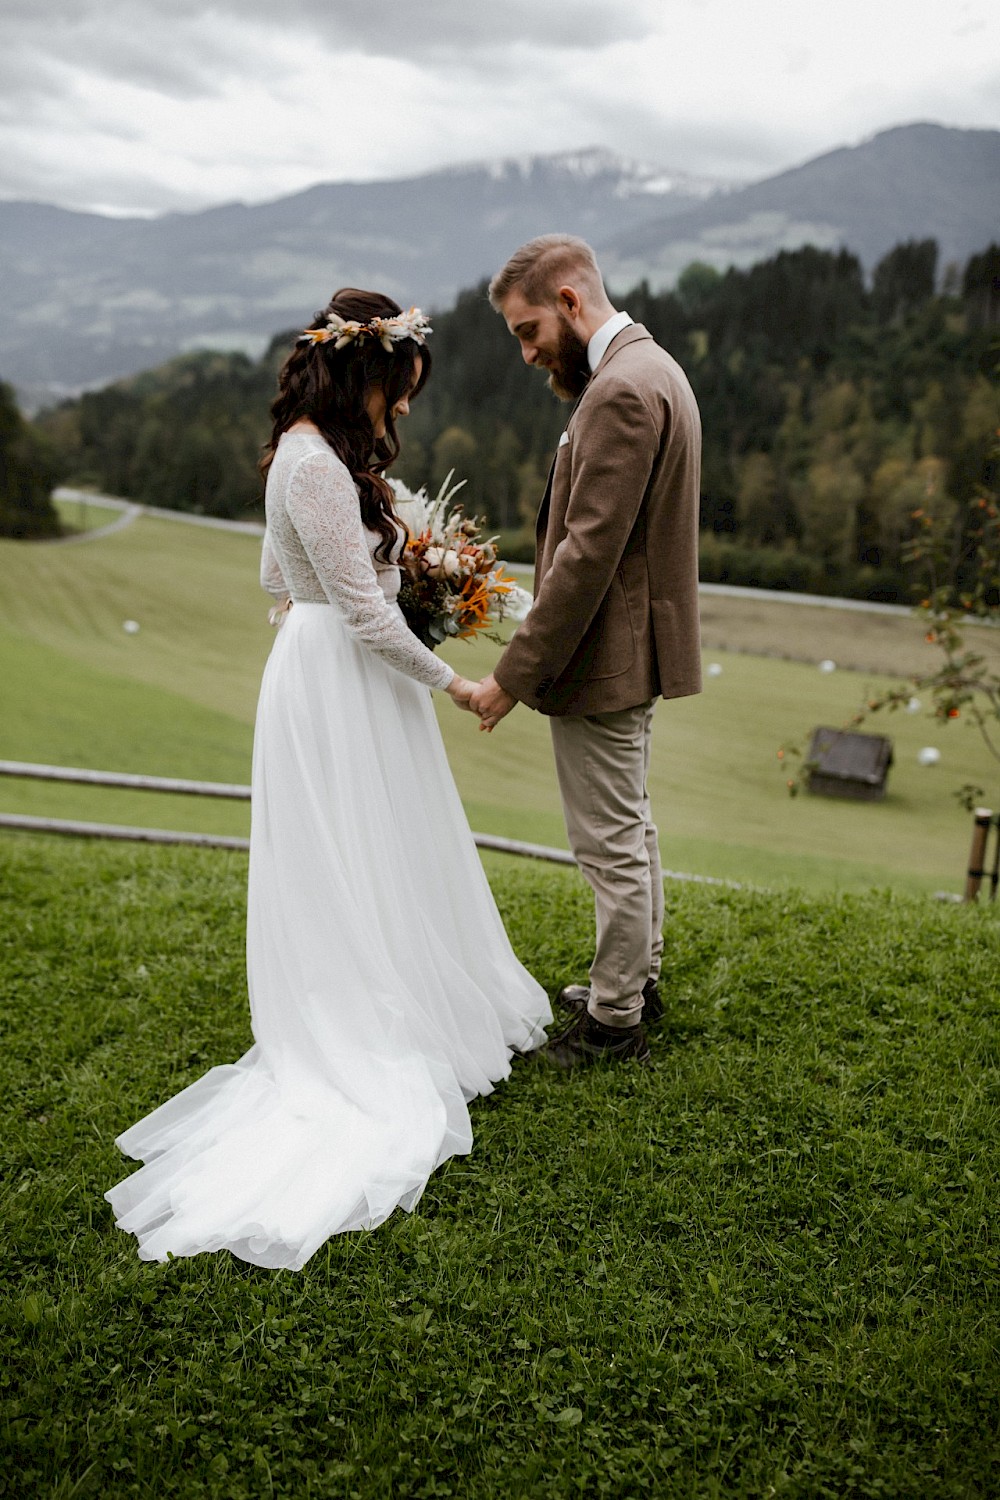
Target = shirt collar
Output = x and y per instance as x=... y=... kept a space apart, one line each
x=597 y=348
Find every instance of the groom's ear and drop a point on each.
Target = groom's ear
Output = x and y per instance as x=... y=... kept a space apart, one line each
x=569 y=301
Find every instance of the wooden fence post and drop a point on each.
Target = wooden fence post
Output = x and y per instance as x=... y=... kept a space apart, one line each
x=983 y=817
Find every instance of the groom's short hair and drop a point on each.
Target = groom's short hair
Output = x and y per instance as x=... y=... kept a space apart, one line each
x=545 y=264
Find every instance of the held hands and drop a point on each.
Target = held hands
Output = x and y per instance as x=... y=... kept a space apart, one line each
x=491 y=702
x=460 y=691
x=487 y=699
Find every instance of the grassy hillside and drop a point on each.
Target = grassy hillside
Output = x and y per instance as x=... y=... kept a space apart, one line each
x=766 y=1266
x=178 y=698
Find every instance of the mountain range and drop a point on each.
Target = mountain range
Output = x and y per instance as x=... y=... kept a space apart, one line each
x=88 y=298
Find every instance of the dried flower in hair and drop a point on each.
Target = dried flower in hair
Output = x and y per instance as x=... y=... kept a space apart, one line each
x=389 y=331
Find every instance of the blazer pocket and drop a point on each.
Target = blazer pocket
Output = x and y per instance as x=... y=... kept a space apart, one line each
x=608 y=648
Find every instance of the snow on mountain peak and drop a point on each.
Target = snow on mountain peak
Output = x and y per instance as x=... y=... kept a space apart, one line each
x=633 y=177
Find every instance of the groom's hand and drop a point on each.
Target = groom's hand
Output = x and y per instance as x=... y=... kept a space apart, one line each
x=491 y=702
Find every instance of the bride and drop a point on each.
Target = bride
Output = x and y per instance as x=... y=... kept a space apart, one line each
x=384 y=994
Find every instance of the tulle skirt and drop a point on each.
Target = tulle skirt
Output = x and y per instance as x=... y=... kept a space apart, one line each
x=384 y=994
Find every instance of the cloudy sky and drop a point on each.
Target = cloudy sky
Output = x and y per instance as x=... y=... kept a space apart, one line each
x=139 y=106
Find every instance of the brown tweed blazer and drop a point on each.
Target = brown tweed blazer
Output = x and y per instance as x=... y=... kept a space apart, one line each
x=615 y=617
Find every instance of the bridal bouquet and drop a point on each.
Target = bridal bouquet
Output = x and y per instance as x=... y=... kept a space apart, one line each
x=453 y=583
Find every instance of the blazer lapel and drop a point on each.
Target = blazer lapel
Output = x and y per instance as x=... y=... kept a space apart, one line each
x=543 y=510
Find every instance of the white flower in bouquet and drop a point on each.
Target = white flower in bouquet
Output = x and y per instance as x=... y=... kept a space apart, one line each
x=519 y=601
x=443 y=562
x=419 y=513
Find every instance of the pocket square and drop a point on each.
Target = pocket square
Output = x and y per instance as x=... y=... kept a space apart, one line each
x=564 y=439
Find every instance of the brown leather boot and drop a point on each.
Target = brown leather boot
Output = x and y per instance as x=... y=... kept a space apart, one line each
x=586 y=1042
x=576 y=997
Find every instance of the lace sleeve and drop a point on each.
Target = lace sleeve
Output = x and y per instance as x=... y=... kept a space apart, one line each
x=322 y=504
x=272 y=580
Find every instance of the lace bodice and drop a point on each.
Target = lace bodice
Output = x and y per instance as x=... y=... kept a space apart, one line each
x=317 y=550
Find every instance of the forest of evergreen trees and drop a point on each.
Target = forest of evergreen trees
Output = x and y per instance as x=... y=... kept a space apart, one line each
x=27 y=473
x=831 y=409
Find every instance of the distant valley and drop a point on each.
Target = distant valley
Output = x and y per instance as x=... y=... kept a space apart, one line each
x=88 y=299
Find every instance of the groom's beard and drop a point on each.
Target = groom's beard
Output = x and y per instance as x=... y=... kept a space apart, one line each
x=569 y=370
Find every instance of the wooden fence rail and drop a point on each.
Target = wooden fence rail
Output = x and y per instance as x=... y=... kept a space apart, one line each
x=76 y=829
x=984 y=823
x=81 y=776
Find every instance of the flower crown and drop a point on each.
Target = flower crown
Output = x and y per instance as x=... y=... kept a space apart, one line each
x=408 y=325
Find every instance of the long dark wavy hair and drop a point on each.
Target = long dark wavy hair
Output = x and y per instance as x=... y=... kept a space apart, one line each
x=329 y=386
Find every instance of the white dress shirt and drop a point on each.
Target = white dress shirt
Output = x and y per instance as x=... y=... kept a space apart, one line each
x=602 y=338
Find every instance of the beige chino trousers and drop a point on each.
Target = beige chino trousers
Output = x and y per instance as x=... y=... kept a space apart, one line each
x=602 y=762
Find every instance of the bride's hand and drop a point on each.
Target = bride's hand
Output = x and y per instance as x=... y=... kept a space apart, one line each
x=460 y=691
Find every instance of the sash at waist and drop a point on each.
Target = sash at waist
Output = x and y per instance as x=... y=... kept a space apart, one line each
x=297 y=606
x=329 y=604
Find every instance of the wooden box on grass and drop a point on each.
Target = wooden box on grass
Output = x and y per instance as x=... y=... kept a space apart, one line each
x=843 y=763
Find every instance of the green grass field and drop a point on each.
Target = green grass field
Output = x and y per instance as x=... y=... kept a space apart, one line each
x=767 y=1266
x=178 y=699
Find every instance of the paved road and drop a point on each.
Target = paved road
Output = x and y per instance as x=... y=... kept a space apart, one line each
x=130 y=510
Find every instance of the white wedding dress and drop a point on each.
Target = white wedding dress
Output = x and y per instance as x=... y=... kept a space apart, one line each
x=384 y=993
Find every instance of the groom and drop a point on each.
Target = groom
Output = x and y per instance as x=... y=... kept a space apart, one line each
x=614 y=625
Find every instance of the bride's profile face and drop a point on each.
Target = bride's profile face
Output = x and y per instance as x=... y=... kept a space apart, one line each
x=375 y=401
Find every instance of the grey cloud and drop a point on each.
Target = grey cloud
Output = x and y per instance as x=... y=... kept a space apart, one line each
x=386 y=27
x=24 y=90
x=38 y=181
x=493 y=78
x=143 y=62
x=144 y=40
x=733 y=149
x=43 y=52
x=187 y=51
